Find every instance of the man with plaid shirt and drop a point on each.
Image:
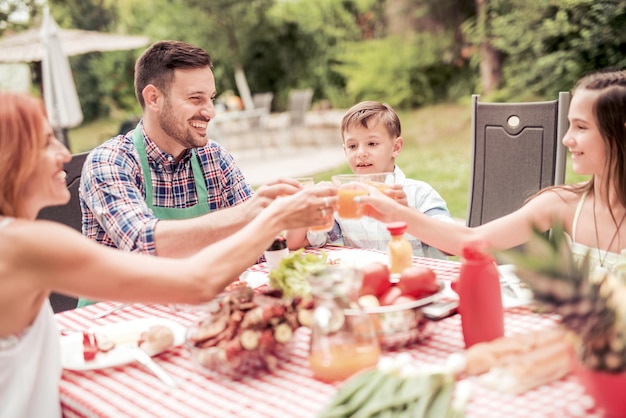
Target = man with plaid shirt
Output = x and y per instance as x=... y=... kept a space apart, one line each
x=163 y=188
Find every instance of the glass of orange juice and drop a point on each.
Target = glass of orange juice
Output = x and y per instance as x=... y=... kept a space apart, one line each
x=324 y=227
x=330 y=218
x=310 y=182
x=349 y=186
x=382 y=181
x=341 y=344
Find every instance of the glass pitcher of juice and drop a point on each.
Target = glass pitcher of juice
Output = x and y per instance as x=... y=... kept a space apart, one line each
x=341 y=344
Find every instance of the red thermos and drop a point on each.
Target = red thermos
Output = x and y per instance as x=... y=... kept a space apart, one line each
x=480 y=297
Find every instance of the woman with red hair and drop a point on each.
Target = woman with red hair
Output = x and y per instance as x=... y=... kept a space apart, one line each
x=37 y=257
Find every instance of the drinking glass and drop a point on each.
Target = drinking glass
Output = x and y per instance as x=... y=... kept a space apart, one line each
x=324 y=227
x=382 y=181
x=331 y=218
x=305 y=181
x=349 y=186
x=310 y=182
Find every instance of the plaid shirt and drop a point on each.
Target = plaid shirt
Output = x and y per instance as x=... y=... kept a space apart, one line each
x=370 y=233
x=112 y=192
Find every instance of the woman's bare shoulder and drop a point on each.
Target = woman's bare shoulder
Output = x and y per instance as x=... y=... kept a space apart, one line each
x=21 y=226
x=555 y=203
x=559 y=195
x=25 y=234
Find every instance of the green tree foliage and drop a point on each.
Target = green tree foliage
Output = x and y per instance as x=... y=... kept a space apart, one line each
x=104 y=81
x=11 y=12
x=230 y=26
x=300 y=47
x=349 y=50
x=404 y=73
x=224 y=28
x=548 y=44
x=412 y=69
x=279 y=45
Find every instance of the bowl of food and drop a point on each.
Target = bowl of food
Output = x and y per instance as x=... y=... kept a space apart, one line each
x=395 y=303
x=243 y=332
x=400 y=324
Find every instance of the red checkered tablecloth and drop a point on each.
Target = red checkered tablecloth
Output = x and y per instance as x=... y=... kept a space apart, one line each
x=290 y=391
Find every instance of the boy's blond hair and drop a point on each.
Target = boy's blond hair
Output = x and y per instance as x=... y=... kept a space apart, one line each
x=364 y=112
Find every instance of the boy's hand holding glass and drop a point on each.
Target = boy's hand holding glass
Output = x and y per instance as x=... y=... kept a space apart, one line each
x=397 y=193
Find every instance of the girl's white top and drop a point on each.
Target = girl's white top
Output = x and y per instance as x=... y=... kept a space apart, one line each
x=597 y=256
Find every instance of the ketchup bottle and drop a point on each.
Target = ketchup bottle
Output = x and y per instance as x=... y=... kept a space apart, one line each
x=480 y=297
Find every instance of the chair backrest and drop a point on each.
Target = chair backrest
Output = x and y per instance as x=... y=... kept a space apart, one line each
x=262 y=109
x=70 y=215
x=299 y=102
x=516 y=151
x=263 y=101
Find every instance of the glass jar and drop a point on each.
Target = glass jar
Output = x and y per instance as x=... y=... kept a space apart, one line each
x=340 y=345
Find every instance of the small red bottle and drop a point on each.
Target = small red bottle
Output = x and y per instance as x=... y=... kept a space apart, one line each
x=480 y=297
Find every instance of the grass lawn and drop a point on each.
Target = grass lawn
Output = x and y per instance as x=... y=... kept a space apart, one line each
x=437 y=149
x=90 y=135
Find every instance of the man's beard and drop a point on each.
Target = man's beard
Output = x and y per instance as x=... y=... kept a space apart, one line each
x=170 y=126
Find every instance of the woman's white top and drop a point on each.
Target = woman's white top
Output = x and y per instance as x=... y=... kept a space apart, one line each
x=30 y=368
x=596 y=256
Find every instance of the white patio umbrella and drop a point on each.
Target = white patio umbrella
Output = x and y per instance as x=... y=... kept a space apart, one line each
x=51 y=46
x=59 y=90
x=27 y=46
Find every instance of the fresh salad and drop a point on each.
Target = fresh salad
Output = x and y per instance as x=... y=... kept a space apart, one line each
x=291 y=274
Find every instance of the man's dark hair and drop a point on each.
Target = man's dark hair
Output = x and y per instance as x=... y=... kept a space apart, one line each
x=157 y=64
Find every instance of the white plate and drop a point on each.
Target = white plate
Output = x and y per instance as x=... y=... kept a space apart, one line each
x=356 y=257
x=126 y=333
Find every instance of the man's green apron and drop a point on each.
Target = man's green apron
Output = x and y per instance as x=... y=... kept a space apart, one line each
x=201 y=208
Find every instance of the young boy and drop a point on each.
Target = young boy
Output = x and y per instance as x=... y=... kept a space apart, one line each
x=372 y=141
